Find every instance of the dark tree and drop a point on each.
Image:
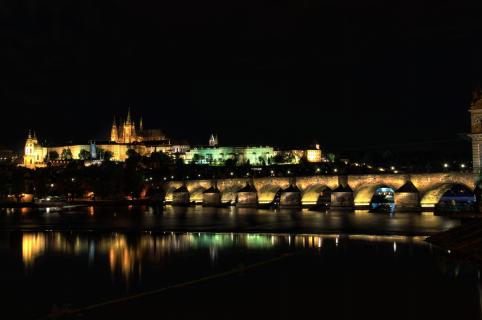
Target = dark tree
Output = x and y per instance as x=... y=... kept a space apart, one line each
x=53 y=155
x=84 y=155
x=66 y=154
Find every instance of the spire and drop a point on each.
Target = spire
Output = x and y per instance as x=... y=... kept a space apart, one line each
x=128 y=115
x=114 y=132
x=213 y=140
x=141 y=125
x=29 y=133
x=35 y=135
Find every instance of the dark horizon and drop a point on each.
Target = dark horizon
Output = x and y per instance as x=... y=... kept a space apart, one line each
x=348 y=75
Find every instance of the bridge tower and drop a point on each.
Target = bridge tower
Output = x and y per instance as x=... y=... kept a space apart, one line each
x=476 y=130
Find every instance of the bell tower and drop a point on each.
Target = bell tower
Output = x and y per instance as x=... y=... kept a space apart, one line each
x=476 y=130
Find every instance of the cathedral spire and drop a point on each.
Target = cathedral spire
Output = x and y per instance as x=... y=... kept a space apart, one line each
x=128 y=115
x=30 y=133
x=114 y=133
x=141 y=125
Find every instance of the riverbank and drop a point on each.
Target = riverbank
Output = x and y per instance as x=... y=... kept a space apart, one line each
x=464 y=241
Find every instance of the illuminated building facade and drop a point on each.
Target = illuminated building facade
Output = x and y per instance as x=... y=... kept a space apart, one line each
x=256 y=156
x=124 y=137
x=240 y=155
x=127 y=132
x=34 y=153
x=127 y=135
x=476 y=130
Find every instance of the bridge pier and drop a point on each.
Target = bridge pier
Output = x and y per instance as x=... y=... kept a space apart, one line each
x=212 y=197
x=407 y=198
x=290 y=197
x=247 y=197
x=181 y=196
x=342 y=198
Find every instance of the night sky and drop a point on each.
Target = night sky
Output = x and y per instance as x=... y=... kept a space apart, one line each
x=351 y=74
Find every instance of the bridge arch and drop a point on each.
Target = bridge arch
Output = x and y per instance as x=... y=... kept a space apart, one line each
x=196 y=194
x=364 y=195
x=312 y=194
x=432 y=197
x=170 y=191
x=267 y=193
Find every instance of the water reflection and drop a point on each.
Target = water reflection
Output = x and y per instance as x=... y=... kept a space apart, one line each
x=33 y=246
x=125 y=253
x=61 y=267
x=224 y=220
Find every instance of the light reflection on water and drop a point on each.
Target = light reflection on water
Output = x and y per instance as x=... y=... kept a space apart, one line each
x=86 y=267
x=126 y=256
x=231 y=219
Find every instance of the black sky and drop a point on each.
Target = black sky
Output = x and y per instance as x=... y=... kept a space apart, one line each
x=347 y=73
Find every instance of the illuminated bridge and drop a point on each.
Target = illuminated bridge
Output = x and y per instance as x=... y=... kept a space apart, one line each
x=404 y=191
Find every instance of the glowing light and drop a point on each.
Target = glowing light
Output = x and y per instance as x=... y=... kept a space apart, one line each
x=313 y=155
x=33 y=245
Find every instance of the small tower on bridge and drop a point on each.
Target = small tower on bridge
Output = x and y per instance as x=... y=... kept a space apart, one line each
x=476 y=130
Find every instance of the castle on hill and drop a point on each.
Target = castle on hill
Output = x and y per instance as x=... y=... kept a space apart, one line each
x=123 y=137
x=131 y=135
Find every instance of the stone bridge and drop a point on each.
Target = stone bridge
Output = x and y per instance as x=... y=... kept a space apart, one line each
x=412 y=191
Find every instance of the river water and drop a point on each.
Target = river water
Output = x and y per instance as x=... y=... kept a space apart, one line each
x=229 y=263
